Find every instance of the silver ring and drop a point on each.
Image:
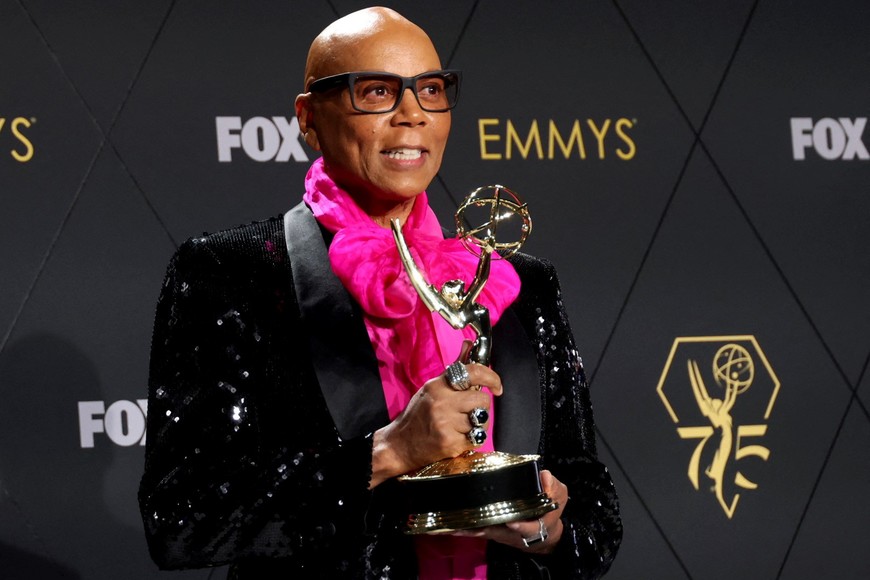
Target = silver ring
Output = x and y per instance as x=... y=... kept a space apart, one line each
x=478 y=416
x=457 y=376
x=541 y=536
x=477 y=436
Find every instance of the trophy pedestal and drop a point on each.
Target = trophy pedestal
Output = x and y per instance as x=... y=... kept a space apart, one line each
x=474 y=490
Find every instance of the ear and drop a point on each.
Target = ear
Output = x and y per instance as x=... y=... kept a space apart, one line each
x=305 y=117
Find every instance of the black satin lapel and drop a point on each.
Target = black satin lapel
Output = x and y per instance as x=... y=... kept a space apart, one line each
x=518 y=410
x=342 y=354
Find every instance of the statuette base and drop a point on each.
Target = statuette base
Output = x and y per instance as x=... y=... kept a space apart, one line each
x=474 y=490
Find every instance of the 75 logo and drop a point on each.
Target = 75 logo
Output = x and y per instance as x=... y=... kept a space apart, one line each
x=720 y=391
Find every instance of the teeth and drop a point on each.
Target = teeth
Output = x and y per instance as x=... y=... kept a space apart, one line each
x=404 y=154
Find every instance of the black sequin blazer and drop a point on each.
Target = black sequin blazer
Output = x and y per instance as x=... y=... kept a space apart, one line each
x=263 y=396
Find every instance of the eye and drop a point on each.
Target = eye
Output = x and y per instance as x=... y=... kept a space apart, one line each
x=431 y=89
x=374 y=91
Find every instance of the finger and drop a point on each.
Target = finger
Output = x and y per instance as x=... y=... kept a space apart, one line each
x=461 y=423
x=525 y=535
x=475 y=533
x=556 y=491
x=497 y=533
x=523 y=527
x=482 y=376
x=478 y=417
x=475 y=409
x=552 y=486
x=478 y=376
x=469 y=400
x=547 y=481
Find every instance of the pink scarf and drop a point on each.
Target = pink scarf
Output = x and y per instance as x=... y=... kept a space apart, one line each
x=411 y=343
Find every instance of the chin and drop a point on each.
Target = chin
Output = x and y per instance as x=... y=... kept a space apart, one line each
x=410 y=193
x=404 y=190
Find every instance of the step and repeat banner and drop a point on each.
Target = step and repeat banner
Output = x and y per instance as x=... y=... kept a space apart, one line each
x=698 y=172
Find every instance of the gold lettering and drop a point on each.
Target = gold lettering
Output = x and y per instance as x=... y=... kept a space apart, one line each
x=2 y=122
x=28 y=154
x=555 y=136
x=484 y=137
x=632 y=148
x=534 y=137
x=531 y=143
x=599 y=135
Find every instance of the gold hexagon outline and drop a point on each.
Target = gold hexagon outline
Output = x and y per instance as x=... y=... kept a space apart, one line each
x=737 y=337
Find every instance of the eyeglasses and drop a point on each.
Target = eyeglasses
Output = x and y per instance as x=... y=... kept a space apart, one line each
x=381 y=92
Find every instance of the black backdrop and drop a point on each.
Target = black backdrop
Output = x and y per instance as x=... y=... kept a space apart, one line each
x=712 y=209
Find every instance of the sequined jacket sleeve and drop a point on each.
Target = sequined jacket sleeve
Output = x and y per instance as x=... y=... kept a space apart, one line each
x=243 y=461
x=593 y=528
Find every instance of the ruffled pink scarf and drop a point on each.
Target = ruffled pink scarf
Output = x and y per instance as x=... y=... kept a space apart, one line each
x=411 y=343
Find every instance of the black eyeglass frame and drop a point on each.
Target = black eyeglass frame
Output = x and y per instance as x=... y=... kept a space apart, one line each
x=348 y=80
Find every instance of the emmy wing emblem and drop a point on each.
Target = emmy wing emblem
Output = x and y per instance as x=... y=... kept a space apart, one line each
x=474 y=489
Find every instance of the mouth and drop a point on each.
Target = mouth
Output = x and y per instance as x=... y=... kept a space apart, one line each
x=404 y=153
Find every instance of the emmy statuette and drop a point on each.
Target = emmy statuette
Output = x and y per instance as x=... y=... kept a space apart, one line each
x=474 y=489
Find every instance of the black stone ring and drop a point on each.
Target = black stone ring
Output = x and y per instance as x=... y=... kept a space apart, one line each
x=477 y=436
x=478 y=416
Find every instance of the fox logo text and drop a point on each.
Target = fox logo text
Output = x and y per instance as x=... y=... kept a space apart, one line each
x=262 y=139
x=830 y=138
x=123 y=422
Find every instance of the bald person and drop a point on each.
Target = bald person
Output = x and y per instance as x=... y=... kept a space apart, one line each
x=295 y=372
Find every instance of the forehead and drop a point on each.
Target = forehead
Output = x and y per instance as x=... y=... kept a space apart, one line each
x=403 y=51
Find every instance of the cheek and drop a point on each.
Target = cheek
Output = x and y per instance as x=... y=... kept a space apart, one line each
x=364 y=139
x=442 y=132
x=441 y=140
x=343 y=135
x=345 y=147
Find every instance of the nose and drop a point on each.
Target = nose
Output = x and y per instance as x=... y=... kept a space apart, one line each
x=409 y=111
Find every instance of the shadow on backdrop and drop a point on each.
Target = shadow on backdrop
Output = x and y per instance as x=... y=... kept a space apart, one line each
x=53 y=502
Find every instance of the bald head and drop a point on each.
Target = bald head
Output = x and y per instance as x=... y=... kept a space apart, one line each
x=333 y=50
x=384 y=159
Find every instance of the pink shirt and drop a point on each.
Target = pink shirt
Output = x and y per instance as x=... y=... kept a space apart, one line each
x=412 y=344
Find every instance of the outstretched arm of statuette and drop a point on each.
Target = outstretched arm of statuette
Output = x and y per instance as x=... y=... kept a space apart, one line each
x=705 y=403
x=433 y=299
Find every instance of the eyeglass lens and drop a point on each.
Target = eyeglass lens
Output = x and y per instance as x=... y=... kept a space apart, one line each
x=377 y=93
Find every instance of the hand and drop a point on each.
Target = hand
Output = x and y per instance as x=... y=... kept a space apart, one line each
x=513 y=533
x=433 y=426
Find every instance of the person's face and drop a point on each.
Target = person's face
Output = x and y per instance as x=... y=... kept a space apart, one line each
x=382 y=159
